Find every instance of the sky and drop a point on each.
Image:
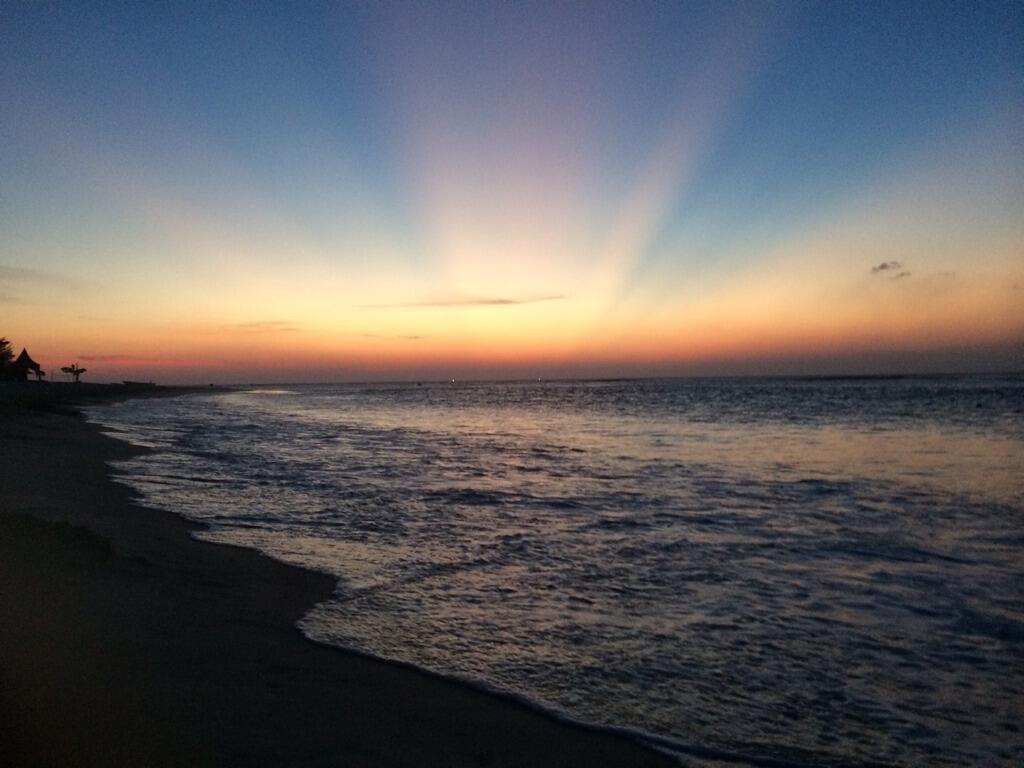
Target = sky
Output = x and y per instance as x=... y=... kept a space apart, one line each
x=284 y=192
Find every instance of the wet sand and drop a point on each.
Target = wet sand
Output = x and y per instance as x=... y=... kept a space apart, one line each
x=125 y=641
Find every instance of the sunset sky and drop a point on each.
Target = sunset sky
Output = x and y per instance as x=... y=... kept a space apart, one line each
x=312 y=192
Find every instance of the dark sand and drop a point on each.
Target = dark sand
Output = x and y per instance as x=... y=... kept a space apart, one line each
x=124 y=641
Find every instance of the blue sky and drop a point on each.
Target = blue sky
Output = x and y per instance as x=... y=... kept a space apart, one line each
x=333 y=167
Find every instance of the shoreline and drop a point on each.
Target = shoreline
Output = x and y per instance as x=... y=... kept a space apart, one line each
x=125 y=640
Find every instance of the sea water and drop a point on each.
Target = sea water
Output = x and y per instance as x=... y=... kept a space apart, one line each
x=792 y=571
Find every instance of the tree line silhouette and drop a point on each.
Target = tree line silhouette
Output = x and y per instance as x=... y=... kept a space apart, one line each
x=9 y=370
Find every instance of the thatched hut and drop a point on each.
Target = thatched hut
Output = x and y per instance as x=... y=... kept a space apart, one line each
x=23 y=364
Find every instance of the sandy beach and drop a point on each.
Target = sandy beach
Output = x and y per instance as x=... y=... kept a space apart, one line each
x=125 y=641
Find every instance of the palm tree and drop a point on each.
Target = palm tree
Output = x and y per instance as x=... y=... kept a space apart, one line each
x=74 y=370
x=6 y=356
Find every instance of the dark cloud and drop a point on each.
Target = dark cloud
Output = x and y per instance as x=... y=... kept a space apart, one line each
x=124 y=359
x=901 y=275
x=464 y=301
x=886 y=266
x=266 y=326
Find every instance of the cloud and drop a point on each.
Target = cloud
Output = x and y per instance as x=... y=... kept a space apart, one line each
x=467 y=301
x=886 y=266
x=386 y=336
x=144 y=360
x=36 y=276
x=265 y=326
x=6 y=298
x=122 y=359
x=901 y=275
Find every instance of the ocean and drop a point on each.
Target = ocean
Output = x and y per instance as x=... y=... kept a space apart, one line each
x=771 y=571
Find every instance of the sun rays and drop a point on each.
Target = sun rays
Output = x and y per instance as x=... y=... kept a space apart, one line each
x=547 y=192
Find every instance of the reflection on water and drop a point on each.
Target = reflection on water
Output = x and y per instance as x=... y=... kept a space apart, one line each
x=813 y=571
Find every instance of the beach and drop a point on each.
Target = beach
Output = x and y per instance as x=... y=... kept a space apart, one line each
x=126 y=641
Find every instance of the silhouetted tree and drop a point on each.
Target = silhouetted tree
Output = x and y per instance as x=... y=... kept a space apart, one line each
x=74 y=370
x=6 y=356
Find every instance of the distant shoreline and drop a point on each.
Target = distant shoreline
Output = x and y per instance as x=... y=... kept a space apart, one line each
x=133 y=389
x=124 y=640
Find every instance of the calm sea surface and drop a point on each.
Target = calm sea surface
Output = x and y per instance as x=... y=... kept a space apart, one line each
x=813 y=572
